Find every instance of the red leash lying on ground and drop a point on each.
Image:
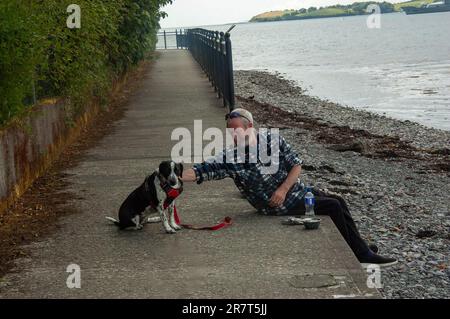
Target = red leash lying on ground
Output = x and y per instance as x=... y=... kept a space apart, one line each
x=225 y=223
x=174 y=193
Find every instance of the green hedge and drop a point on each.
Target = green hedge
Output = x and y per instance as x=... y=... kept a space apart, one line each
x=41 y=57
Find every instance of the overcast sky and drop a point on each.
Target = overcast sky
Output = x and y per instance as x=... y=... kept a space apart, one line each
x=186 y=13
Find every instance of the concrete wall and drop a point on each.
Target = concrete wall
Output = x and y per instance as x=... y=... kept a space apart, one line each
x=28 y=147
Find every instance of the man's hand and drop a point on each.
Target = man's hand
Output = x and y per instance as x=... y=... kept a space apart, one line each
x=189 y=175
x=278 y=197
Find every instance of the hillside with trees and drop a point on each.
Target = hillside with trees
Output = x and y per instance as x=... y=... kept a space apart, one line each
x=357 y=8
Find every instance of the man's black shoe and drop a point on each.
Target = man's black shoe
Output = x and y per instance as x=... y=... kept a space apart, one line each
x=371 y=258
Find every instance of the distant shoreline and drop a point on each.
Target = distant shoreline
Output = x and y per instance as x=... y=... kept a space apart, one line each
x=336 y=11
x=313 y=17
x=324 y=17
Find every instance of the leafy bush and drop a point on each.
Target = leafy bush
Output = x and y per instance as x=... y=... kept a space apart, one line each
x=40 y=56
x=17 y=58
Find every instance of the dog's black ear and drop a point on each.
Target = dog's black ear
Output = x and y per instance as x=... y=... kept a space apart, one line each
x=164 y=169
x=162 y=165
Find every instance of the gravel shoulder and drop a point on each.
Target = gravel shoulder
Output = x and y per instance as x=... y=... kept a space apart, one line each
x=394 y=174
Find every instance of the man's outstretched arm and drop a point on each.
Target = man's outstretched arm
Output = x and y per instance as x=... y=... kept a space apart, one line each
x=212 y=169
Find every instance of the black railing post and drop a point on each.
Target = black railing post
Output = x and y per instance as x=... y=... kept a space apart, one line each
x=165 y=40
x=183 y=39
x=176 y=37
x=229 y=72
x=222 y=68
x=216 y=61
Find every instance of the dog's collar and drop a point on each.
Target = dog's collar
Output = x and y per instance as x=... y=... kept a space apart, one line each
x=171 y=192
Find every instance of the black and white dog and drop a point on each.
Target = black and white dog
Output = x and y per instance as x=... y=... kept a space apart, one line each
x=156 y=194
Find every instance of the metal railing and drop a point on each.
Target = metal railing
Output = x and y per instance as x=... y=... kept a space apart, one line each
x=212 y=50
x=171 y=39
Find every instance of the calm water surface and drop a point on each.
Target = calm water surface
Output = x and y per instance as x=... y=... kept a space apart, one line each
x=401 y=69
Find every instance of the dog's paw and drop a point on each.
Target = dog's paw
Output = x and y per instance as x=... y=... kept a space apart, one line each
x=176 y=227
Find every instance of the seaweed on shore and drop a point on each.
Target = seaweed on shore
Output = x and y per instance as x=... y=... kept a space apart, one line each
x=345 y=138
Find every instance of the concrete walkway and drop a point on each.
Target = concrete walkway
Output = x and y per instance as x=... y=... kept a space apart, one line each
x=257 y=257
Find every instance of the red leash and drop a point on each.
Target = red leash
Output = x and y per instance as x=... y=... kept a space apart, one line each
x=225 y=223
x=172 y=194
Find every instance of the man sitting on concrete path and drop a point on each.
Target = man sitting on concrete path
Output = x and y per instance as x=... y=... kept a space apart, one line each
x=280 y=191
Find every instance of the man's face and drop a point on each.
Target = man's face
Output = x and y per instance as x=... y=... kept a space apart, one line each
x=241 y=129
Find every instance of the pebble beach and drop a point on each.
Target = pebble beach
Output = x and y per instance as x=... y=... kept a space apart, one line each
x=394 y=175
